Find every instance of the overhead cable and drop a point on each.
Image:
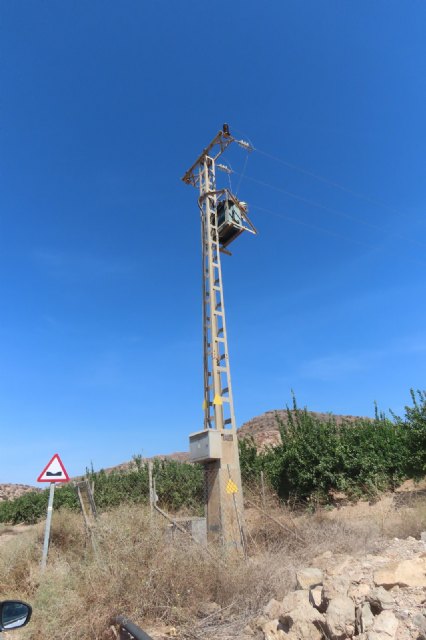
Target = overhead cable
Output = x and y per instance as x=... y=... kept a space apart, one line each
x=332 y=183
x=323 y=179
x=342 y=214
x=348 y=238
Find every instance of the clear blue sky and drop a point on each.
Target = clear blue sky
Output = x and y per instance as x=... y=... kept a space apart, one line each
x=103 y=107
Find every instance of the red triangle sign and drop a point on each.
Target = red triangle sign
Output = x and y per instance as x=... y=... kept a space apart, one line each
x=54 y=471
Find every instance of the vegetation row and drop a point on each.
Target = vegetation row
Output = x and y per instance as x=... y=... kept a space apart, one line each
x=316 y=458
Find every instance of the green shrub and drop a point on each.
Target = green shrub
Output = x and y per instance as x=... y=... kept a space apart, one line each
x=251 y=462
x=316 y=458
x=27 y=508
x=32 y=506
x=414 y=427
x=362 y=457
x=178 y=485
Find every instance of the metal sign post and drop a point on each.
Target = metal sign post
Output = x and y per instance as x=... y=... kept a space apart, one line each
x=53 y=472
x=48 y=525
x=151 y=489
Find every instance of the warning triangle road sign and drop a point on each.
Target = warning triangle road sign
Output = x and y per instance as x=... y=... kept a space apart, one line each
x=54 y=471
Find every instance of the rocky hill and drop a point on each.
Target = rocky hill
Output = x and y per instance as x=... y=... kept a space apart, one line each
x=264 y=428
x=180 y=456
x=12 y=491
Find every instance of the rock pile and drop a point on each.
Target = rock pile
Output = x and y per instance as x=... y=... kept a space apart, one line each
x=340 y=597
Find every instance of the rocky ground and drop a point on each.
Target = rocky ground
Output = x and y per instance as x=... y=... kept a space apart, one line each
x=9 y=533
x=379 y=596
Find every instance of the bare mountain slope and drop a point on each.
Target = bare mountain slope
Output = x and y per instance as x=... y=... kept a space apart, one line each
x=264 y=428
x=12 y=491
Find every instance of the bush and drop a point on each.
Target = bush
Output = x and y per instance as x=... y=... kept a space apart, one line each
x=32 y=506
x=362 y=457
x=414 y=426
x=178 y=485
x=316 y=458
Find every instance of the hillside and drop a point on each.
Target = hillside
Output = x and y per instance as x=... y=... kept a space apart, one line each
x=262 y=428
x=11 y=491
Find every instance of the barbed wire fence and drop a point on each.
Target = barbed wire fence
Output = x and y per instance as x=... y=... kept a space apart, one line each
x=179 y=498
x=176 y=493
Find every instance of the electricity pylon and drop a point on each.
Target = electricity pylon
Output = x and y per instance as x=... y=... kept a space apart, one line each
x=223 y=218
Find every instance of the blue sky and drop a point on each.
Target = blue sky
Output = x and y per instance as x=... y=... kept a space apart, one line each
x=103 y=107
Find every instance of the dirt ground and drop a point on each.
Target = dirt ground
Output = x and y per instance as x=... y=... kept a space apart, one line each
x=10 y=532
x=404 y=496
x=273 y=529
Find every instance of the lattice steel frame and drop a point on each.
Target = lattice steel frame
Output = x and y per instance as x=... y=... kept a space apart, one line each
x=225 y=515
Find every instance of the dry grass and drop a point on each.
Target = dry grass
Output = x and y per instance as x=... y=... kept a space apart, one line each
x=140 y=572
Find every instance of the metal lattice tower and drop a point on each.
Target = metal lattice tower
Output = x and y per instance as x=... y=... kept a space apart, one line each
x=218 y=402
x=217 y=446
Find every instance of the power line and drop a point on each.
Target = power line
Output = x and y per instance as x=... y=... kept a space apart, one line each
x=342 y=236
x=321 y=178
x=285 y=216
x=343 y=214
x=242 y=174
x=332 y=183
x=324 y=207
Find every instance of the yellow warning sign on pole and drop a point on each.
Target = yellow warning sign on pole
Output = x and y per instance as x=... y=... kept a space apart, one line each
x=231 y=487
x=218 y=400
